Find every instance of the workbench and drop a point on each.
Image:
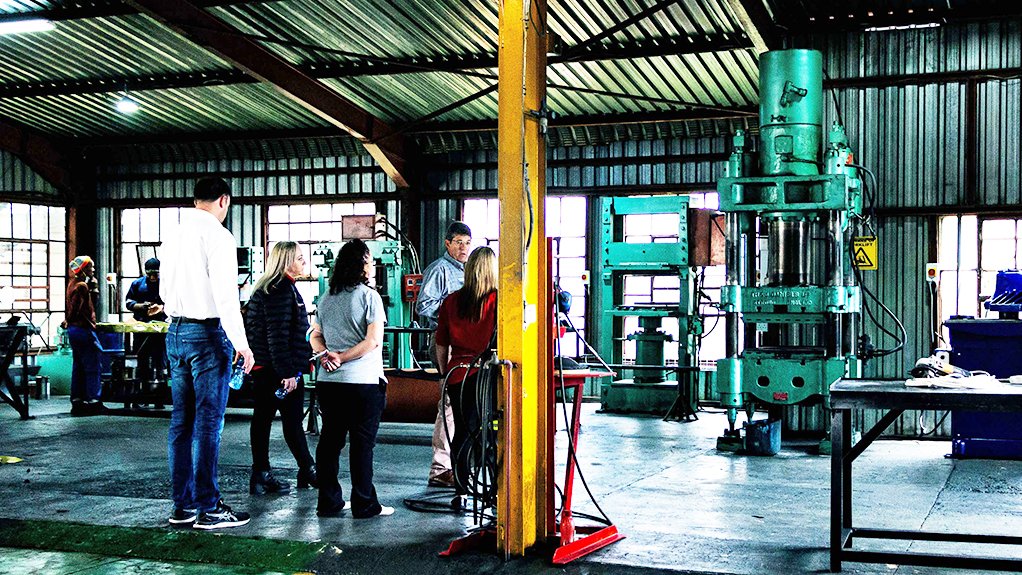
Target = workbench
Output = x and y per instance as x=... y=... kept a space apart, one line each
x=894 y=397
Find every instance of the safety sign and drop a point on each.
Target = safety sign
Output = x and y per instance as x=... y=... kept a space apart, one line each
x=864 y=252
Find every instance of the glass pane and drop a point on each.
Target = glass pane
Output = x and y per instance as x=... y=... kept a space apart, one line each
x=299 y=232
x=969 y=242
x=58 y=289
x=998 y=229
x=340 y=210
x=948 y=290
x=364 y=209
x=947 y=242
x=5 y=219
x=987 y=281
x=665 y=225
x=58 y=224
x=553 y=216
x=713 y=202
x=57 y=257
x=277 y=232
x=998 y=254
x=637 y=224
x=40 y=222
x=276 y=214
x=20 y=213
x=572 y=247
x=149 y=220
x=637 y=284
x=299 y=213
x=320 y=232
x=968 y=299
x=169 y=220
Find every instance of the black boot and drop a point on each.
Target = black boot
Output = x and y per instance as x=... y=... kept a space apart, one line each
x=307 y=477
x=263 y=482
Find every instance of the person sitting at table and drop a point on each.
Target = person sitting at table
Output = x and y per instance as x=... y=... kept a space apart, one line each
x=146 y=305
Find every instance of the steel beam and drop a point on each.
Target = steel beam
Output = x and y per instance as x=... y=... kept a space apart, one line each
x=47 y=158
x=524 y=305
x=389 y=149
x=925 y=78
x=756 y=21
x=462 y=63
x=101 y=9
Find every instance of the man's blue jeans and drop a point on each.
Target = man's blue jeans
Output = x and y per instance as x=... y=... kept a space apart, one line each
x=200 y=366
x=85 y=368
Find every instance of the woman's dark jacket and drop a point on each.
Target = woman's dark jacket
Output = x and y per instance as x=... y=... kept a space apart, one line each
x=276 y=323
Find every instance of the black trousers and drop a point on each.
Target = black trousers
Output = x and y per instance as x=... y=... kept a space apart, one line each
x=151 y=351
x=466 y=427
x=350 y=411
x=292 y=409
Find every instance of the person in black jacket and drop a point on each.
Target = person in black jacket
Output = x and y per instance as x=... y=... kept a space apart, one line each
x=276 y=324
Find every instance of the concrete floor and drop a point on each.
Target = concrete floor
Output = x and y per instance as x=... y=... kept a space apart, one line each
x=683 y=506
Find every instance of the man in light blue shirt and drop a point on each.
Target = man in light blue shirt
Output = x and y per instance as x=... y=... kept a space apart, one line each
x=441 y=278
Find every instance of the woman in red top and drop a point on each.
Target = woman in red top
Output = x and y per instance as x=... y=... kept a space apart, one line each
x=80 y=319
x=465 y=326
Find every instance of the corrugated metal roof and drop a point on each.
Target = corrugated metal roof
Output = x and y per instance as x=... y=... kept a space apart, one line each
x=193 y=110
x=325 y=33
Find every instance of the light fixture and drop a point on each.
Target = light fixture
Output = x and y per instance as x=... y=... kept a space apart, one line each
x=126 y=105
x=25 y=26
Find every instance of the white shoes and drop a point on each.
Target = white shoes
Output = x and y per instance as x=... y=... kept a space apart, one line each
x=385 y=511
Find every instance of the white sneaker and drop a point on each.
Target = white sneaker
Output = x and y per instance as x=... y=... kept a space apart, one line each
x=347 y=505
x=385 y=511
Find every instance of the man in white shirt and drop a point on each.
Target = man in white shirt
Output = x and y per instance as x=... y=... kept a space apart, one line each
x=200 y=292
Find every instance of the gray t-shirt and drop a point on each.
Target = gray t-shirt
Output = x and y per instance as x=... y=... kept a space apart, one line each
x=344 y=318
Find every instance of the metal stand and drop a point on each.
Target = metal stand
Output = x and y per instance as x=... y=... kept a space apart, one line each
x=12 y=340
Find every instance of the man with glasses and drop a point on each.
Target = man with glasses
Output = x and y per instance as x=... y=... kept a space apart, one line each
x=441 y=278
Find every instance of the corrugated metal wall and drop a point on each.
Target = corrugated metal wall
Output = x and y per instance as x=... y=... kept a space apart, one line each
x=307 y=177
x=16 y=178
x=682 y=164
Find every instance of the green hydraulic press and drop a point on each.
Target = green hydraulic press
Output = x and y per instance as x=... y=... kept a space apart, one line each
x=790 y=300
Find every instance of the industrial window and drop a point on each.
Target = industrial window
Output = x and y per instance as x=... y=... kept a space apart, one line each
x=141 y=233
x=33 y=266
x=970 y=252
x=566 y=224
x=666 y=290
x=310 y=225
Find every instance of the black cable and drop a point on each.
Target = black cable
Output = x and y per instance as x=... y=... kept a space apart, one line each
x=564 y=408
x=904 y=334
x=936 y=425
x=833 y=95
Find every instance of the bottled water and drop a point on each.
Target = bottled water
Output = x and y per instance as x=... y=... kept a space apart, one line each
x=281 y=393
x=237 y=374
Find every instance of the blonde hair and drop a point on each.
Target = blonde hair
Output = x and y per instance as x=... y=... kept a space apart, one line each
x=281 y=257
x=480 y=282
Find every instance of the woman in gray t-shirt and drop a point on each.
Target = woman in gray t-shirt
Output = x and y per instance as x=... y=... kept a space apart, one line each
x=350 y=385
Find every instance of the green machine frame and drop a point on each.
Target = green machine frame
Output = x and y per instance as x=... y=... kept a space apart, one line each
x=619 y=259
x=790 y=300
x=391 y=267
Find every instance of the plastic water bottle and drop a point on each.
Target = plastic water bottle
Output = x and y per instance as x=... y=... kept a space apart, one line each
x=281 y=393
x=237 y=374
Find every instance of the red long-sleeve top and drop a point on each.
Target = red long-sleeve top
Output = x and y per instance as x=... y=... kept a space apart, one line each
x=80 y=312
x=467 y=338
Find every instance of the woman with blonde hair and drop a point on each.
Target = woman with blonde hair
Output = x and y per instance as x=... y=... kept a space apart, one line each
x=276 y=323
x=465 y=327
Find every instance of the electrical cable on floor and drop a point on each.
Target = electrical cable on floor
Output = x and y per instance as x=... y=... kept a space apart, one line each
x=936 y=424
x=567 y=420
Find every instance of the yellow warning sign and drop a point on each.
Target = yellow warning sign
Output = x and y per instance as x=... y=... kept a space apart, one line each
x=864 y=250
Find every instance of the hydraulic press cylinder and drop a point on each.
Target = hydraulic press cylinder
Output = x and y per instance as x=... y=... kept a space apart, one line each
x=790 y=111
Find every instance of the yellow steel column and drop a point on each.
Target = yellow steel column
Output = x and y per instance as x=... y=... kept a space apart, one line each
x=523 y=302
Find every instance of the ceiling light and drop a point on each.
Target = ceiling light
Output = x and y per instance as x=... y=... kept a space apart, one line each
x=24 y=26
x=126 y=105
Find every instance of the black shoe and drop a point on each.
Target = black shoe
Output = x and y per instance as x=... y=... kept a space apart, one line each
x=183 y=517
x=78 y=408
x=308 y=478
x=220 y=517
x=334 y=511
x=263 y=482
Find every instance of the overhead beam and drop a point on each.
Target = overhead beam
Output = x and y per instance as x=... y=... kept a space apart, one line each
x=389 y=149
x=756 y=21
x=647 y=48
x=47 y=158
x=922 y=79
x=102 y=9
